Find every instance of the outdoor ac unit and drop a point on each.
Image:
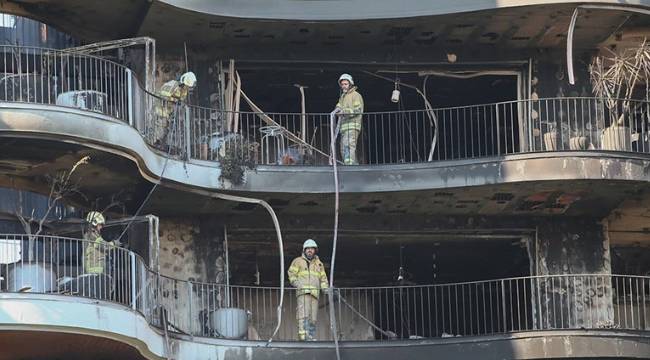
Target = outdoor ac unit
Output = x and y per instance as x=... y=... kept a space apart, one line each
x=83 y=99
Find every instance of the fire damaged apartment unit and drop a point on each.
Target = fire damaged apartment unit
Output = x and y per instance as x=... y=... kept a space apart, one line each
x=298 y=179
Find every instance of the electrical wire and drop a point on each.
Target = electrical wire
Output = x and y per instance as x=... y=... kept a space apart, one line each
x=433 y=119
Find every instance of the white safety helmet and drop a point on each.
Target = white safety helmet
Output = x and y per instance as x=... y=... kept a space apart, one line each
x=95 y=218
x=309 y=243
x=188 y=79
x=347 y=77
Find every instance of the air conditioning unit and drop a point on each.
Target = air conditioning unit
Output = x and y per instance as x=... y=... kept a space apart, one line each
x=83 y=99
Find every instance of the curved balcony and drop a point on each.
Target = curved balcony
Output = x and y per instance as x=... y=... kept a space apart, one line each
x=56 y=77
x=90 y=101
x=289 y=10
x=47 y=287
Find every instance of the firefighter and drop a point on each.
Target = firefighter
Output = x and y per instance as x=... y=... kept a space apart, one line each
x=307 y=275
x=172 y=92
x=96 y=248
x=350 y=110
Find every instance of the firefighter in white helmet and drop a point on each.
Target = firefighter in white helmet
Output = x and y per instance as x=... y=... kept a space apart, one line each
x=96 y=248
x=172 y=92
x=350 y=112
x=307 y=275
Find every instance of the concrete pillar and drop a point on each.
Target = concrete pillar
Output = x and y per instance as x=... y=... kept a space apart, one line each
x=191 y=249
x=572 y=260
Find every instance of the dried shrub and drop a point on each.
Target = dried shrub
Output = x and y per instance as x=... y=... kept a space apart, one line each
x=235 y=156
x=616 y=78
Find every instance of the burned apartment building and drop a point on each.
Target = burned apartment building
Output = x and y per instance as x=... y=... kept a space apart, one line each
x=495 y=204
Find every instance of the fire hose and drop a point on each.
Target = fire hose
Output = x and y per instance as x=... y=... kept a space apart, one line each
x=387 y=333
x=330 y=294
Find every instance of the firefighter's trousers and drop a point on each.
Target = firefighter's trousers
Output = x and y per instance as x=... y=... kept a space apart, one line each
x=306 y=316
x=349 y=146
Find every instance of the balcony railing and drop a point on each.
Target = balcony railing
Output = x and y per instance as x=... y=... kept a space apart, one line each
x=57 y=77
x=466 y=132
x=59 y=266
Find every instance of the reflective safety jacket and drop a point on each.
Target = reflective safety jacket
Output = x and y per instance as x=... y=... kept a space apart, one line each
x=173 y=91
x=308 y=276
x=95 y=252
x=351 y=105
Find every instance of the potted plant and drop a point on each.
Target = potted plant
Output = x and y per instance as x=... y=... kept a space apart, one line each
x=550 y=137
x=614 y=80
x=578 y=142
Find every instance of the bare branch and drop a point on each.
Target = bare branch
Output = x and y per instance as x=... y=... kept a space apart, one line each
x=61 y=186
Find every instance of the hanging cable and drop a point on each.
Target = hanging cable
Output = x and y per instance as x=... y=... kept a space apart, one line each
x=433 y=119
x=153 y=188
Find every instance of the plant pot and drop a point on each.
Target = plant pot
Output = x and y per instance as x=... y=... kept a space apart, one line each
x=204 y=151
x=230 y=323
x=616 y=138
x=640 y=143
x=31 y=277
x=578 y=143
x=550 y=141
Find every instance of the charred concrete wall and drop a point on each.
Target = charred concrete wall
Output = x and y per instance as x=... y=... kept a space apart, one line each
x=577 y=251
x=191 y=249
x=208 y=72
x=572 y=246
x=550 y=70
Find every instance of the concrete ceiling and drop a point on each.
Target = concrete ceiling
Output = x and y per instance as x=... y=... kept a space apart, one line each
x=542 y=26
x=536 y=26
x=28 y=163
x=86 y=19
x=59 y=345
x=544 y=198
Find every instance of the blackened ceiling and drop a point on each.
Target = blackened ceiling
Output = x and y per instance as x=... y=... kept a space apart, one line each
x=527 y=27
